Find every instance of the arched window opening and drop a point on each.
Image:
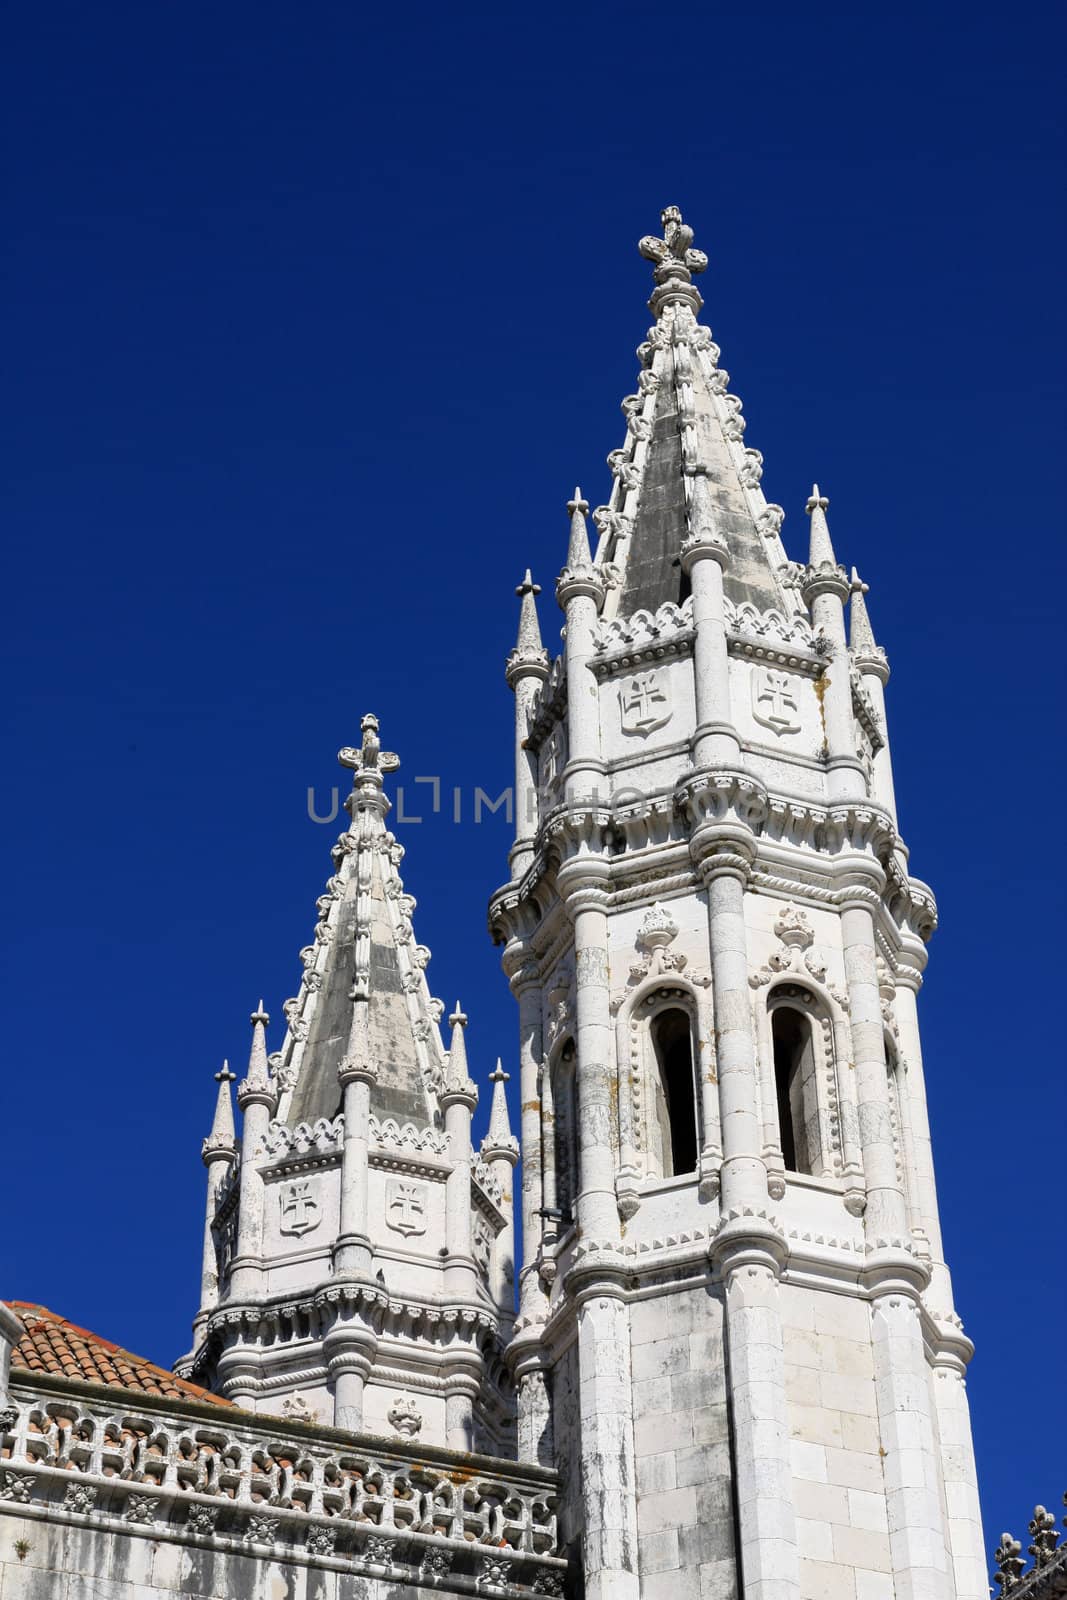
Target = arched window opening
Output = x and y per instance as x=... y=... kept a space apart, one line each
x=794 y=1078
x=565 y=1131
x=675 y=1092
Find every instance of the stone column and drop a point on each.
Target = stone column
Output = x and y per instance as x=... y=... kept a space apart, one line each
x=527 y=670
x=597 y=1213
x=748 y=1248
x=258 y=1100
x=908 y=979
x=885 y=1215
x=966 y=1543
x=11 y=1331
x=458 y=1098
x=609 y=1478
x=825 y=590
x=219 y=1154
x=704 y=554
x=352 y=1251
x=535 y=1437
x=349 y=1350
x=526 y=987
x=894 y=1279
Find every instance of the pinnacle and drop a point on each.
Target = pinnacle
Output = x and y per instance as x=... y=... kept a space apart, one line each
x=221 y=1137
x=579 y=554
x=822 y=550
x=529 y=637
x=224 y=1075
x=258 y=1067
x=259 y=1015
x=861 y=634
x=499 y=1139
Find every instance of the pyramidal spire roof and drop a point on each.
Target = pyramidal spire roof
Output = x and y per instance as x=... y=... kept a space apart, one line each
x=364 y=951
x=683 y=424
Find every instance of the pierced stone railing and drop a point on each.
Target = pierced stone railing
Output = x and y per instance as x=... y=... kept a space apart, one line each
x=307 y=1493
x=1047 y=1578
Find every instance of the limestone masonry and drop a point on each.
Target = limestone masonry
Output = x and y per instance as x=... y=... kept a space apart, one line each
x=734 y=1367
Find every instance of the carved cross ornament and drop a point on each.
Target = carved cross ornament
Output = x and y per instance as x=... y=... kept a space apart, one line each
x=300 y=1209
x=774 y=700
x=370 y=757
x=644 y=703
x=405 y=1206
x=673 y=253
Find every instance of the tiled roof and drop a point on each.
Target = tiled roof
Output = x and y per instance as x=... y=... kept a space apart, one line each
x=52 y=1344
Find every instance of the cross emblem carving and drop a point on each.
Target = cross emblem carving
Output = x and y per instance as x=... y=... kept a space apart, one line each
x=774 y=700
x=299 y=1207
x=644 y=703
x=673 y=251
x=405 y=1206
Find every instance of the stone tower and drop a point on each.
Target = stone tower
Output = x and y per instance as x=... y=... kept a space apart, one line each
x=358 y=1249
x=736 y=1337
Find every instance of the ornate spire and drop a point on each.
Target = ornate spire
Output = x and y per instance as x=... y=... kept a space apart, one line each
x=499 y=1142
x=257 y=1085
x=221 y=1141
x=458 y=1084
x=579 y=576
x=823 y=574
x=529 y=657
x=675 y=263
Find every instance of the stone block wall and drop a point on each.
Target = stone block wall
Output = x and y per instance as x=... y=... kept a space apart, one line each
x=838 y=1486
x=685 y=1516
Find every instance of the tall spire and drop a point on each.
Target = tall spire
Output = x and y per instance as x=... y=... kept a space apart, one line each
x=499 y=1141
x=821 y=548
x=684 y=469
x=221 y=1140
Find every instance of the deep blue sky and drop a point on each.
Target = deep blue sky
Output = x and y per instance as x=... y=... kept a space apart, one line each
x=313 y=317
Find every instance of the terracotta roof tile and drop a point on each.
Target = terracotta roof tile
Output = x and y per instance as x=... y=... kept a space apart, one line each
x=54 y=1345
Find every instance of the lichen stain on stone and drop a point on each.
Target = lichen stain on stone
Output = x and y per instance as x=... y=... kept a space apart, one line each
x=531 y=1105
x=821 y=684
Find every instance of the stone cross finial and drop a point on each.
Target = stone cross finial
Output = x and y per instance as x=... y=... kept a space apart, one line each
x=673 y=254
x=224 y=1075
x=1009 y=1559
x=370 y=757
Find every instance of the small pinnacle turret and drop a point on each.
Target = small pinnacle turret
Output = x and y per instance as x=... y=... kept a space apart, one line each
x=579 y=553
x=499 y=1141
x=868 y=655
x=221 y=1140
x=529 y=657
x=458 y=1083
x=579 y=576
x=529 y=628
x=821 y=548
x=257 y=1082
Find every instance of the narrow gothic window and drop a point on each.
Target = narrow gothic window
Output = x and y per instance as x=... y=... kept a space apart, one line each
x=565 y=1130
x=675 y=1092
x=794 y=1077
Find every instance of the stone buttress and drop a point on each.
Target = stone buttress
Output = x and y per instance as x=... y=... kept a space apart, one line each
x=736 y=1339
x=358 y=1248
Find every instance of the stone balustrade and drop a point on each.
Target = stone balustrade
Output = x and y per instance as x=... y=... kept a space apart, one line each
x=187 y=1471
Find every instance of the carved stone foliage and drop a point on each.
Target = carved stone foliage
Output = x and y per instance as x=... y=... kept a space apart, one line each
x=644 y=703
x=658 y=930
x=405 y=1206
x=795 y=952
